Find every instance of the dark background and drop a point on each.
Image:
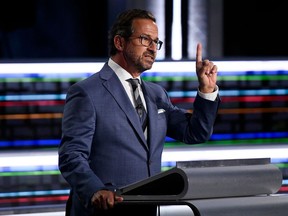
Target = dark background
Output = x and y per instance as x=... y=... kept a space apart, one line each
x=255 y=28
x=50 y=29
x=68 y=29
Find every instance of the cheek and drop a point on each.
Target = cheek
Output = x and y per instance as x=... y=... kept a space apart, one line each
x=133 y=53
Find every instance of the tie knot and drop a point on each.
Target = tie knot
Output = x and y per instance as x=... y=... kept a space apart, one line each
x=134 y=82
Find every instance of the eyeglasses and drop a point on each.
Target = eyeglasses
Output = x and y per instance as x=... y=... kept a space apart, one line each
x=147 y=41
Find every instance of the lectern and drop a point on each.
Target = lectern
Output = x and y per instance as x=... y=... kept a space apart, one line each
x=235 y=187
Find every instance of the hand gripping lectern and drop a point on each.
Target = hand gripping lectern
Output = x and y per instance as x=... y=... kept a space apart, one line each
x=234 y=187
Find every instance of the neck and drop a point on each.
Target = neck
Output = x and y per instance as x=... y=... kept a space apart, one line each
x=125 y=65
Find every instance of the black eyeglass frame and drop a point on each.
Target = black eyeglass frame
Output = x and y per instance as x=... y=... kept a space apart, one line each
x=149 y=42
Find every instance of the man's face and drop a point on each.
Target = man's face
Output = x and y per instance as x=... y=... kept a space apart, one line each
x=141 y=48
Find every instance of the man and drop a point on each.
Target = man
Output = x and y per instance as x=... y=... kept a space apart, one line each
x=104 y=145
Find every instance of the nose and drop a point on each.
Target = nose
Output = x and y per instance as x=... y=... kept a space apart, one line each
x=153 y=46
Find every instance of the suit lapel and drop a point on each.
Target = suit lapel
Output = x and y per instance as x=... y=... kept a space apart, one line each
x=113 y=85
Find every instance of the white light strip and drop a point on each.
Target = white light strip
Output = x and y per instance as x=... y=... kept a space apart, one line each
x=159 y=66
x=176 y=37
x=26 y=159
x=58 y=213
x=192 y=154
x=181 y=66
x=50 y=158
x=50 y=68
x=231 y=66
x=223 y=66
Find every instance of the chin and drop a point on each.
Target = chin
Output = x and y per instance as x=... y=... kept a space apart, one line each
x=147 y=67
x=149 y=64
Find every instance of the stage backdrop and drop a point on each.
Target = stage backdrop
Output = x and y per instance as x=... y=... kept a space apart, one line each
x=252 y=120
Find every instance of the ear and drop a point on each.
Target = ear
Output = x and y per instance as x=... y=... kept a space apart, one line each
x=119 y=42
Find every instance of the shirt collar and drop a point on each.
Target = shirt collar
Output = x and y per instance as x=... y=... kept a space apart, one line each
x=120 y=72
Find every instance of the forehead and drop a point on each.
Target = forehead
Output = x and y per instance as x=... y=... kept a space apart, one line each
x=145 y=26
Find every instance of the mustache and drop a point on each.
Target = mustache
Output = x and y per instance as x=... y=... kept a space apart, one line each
x=150 y=53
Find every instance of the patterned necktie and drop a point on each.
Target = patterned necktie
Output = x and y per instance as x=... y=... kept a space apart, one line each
x=138 y=102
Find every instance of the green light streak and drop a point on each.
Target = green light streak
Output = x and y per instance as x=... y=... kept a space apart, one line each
x=245 y=142
x=29 y=173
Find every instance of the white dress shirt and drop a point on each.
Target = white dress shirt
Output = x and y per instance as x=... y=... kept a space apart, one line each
x=123 y=75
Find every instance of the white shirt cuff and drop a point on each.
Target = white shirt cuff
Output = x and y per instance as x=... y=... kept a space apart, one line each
x=209 y=96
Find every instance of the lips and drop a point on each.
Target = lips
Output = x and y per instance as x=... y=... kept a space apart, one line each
x=150 y=56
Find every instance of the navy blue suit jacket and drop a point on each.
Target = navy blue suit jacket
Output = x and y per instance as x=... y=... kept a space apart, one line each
x=103 y=145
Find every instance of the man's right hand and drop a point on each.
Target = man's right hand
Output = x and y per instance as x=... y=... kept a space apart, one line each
x=105 y=199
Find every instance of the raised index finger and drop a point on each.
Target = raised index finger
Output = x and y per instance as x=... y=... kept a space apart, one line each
x=199 y=53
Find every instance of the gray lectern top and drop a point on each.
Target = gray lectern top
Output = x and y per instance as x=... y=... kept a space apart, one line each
x=235 y=187
x=208 y=179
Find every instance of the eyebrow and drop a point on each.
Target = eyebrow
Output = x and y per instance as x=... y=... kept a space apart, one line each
x=150 y=37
